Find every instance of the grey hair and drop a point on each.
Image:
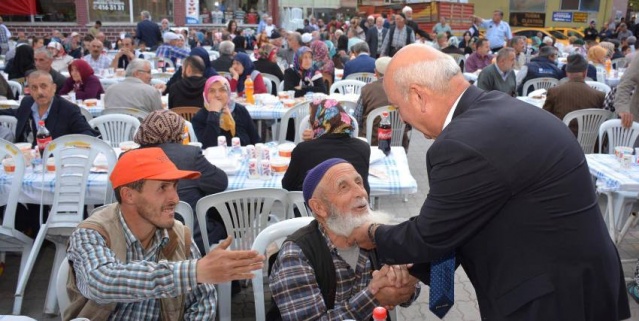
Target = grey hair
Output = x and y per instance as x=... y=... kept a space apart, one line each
x=503 y=53
x=547 y=51
x=43 y=50
x=146 y=15
x=298 y=37
x=227 y=47
x=515 y=40
x=434 y=74
x=135 y=65
x=360 y=47
x=40 y=73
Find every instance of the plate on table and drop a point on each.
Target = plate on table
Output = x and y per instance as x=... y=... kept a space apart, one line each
x=8 y=104
x=229 y=165
x=537 y=94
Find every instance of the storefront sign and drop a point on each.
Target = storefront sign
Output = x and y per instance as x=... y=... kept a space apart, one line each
x=562 y=16
x=580 y=17
x=108 y=5
x=192 y=11
x=527 y=19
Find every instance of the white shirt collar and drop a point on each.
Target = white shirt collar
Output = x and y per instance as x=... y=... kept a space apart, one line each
x=449 y=118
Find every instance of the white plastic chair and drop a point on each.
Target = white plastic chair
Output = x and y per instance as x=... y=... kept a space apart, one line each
x=116 y=128
x=272 y=79
x=269 y=85
x=539 y=83
x=267 y=236
x=460 y=60
x=74 y=157
x=137 y=113
x=619 y=63
x=108 y=82
x=148 y=55
x=366 y=77
x=192 y=136
x=588 y=122
x=185 y=210
x=397 y=124
x=280 y=87
x=347 y=86
x=10 y=122
x=305 y=124
x=599 y=86
x=61 y=285
x=617 y=134
x=296 y=200
x=245 y=214
x=12 y=240
x=298 y=112
x=16 y=88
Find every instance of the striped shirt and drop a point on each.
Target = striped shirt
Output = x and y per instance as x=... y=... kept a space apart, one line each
x=138 y=284
x=171 y=52
x=298 y=296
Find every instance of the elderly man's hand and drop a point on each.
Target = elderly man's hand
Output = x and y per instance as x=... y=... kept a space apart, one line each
x=221 y=265
x=398 y=275
x=160 y=87
x=387 y=294
x=626 y=119
x=360 y=236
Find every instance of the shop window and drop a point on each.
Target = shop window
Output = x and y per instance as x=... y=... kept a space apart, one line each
x=580 y=5
x=159 y=9
x=109 y=10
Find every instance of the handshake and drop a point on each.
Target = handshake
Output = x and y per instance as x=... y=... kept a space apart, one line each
x=393 y=285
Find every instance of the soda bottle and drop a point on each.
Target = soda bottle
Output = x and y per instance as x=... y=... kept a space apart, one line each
x=185 y=136
x=608 y=66
x=379 y=314
x=43 y=137
x=161 y=64
x=248 y=90
x=384 y=134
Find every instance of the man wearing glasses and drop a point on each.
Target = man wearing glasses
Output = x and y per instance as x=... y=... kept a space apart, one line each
x=135 y=91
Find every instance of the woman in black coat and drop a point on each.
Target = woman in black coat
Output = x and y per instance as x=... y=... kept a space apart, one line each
x=303 y=77
x=267 y=63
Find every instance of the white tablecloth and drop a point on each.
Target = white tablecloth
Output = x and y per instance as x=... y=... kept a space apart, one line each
x=533 y=101
x=395 y=166
x=610 y=176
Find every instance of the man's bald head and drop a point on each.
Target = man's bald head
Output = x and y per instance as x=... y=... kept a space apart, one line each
x=424 y=83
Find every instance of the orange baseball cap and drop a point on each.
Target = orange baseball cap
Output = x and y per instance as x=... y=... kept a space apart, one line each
x=147 y=163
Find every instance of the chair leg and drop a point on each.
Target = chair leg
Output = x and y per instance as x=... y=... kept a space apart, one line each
x=224 y=301
x=26 y=272
x=51 y=301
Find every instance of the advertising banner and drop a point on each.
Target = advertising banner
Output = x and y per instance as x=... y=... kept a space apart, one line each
x=527 y=19
x=192 y=11
x=562 y=16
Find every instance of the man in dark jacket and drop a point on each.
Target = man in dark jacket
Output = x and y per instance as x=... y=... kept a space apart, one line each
x=591 y=32
x=148 y=31
x=225 y=60
x=544 y=65
x=188 y=90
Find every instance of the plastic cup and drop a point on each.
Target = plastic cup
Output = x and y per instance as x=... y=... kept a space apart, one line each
x=51 y=165
x=285 y=150
x=9 y=165
x=291 y=94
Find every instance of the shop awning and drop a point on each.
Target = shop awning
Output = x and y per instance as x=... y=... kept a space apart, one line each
x=18 y=7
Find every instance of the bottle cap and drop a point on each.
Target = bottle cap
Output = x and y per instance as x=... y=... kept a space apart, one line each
x=379 y=313
x=41 y=122
x=385 y=114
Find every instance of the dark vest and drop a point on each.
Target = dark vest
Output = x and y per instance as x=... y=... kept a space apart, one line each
x=392 y=50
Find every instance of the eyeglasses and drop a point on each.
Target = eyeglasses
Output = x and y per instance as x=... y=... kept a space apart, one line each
x=146 y=71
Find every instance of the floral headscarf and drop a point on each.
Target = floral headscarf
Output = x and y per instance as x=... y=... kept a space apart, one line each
x=227 y=122
x=329 y=117
x=265 y=52
x=297 y=63
x=320 y=53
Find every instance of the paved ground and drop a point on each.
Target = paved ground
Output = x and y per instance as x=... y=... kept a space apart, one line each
x=465 y=307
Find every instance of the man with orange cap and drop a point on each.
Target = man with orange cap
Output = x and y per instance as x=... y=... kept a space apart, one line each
x=132 y=260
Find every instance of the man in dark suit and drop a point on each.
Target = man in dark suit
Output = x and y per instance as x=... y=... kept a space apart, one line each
x=148 y=31
x=511 y=199
x=363 y=62
x=375 y=37
x=61 y=116
x=574 y=94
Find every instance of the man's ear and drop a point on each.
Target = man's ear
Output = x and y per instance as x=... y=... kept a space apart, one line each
x=127 y=195
x=318 y=208
x=417 y=96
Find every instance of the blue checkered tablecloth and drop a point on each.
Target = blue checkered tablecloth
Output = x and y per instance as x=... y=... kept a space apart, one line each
x=610 y=176
x=398 y=180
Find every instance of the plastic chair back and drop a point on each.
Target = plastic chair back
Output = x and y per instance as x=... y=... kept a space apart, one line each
x=185 y=210
x=269 y=86
x=347 y=86
x=10 y=122
x=187 y=112
x=137 y=113
x=273 y=80
x=116 y=128
x=366 y=77
x=460 y=60
x=149 y=56
x=192 y=136
x=617 y=135
x=539 y=83
x=108 y=82
x=599 y=86
x=619 y=63
x=16 y=88
x=61 y=286
x=297 y=112
x=280 y=87
x=296 y=200
x=397 y=125
x=269 y=235
x=86 y=114
x=8 y=149
x=588 y=121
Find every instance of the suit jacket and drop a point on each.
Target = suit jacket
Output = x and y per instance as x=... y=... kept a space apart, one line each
x=362 y=63
x=371 y=40
x=511 y=195
x=627 y=98
x=571 y=96
x=64 y=119
x=149 y=32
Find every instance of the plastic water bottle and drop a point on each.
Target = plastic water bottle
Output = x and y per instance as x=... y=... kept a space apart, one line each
x=249 y=90
x=379 y=314
x=384 y=134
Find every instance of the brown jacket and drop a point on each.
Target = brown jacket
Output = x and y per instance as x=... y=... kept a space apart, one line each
x=571 y=96
x=106 y=223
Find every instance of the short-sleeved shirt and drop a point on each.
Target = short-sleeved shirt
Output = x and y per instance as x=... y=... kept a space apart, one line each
x=496 y=33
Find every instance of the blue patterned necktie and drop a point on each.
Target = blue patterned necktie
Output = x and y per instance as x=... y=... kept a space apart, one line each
x=442 y=285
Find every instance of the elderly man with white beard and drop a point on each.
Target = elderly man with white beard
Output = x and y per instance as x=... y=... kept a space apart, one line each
x=318 y=273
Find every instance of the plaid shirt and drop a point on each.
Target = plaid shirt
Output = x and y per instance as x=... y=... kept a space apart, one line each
x=137 y=285
x=298 y=296
x=171 y=52
x=103 y=62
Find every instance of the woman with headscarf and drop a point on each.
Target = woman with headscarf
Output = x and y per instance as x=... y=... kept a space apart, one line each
x=164 y=129
x=332 y=128
x=209 y=71
x=221 y=116
x=303 y=77
x=241 y=69
x=597 y=56
x=535 y=43
x=267 y=63
x=323 y=62
x=82 y=81
x=60 y=58
x=21 y=63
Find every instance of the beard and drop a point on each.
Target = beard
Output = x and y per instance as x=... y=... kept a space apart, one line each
x=343 y=224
